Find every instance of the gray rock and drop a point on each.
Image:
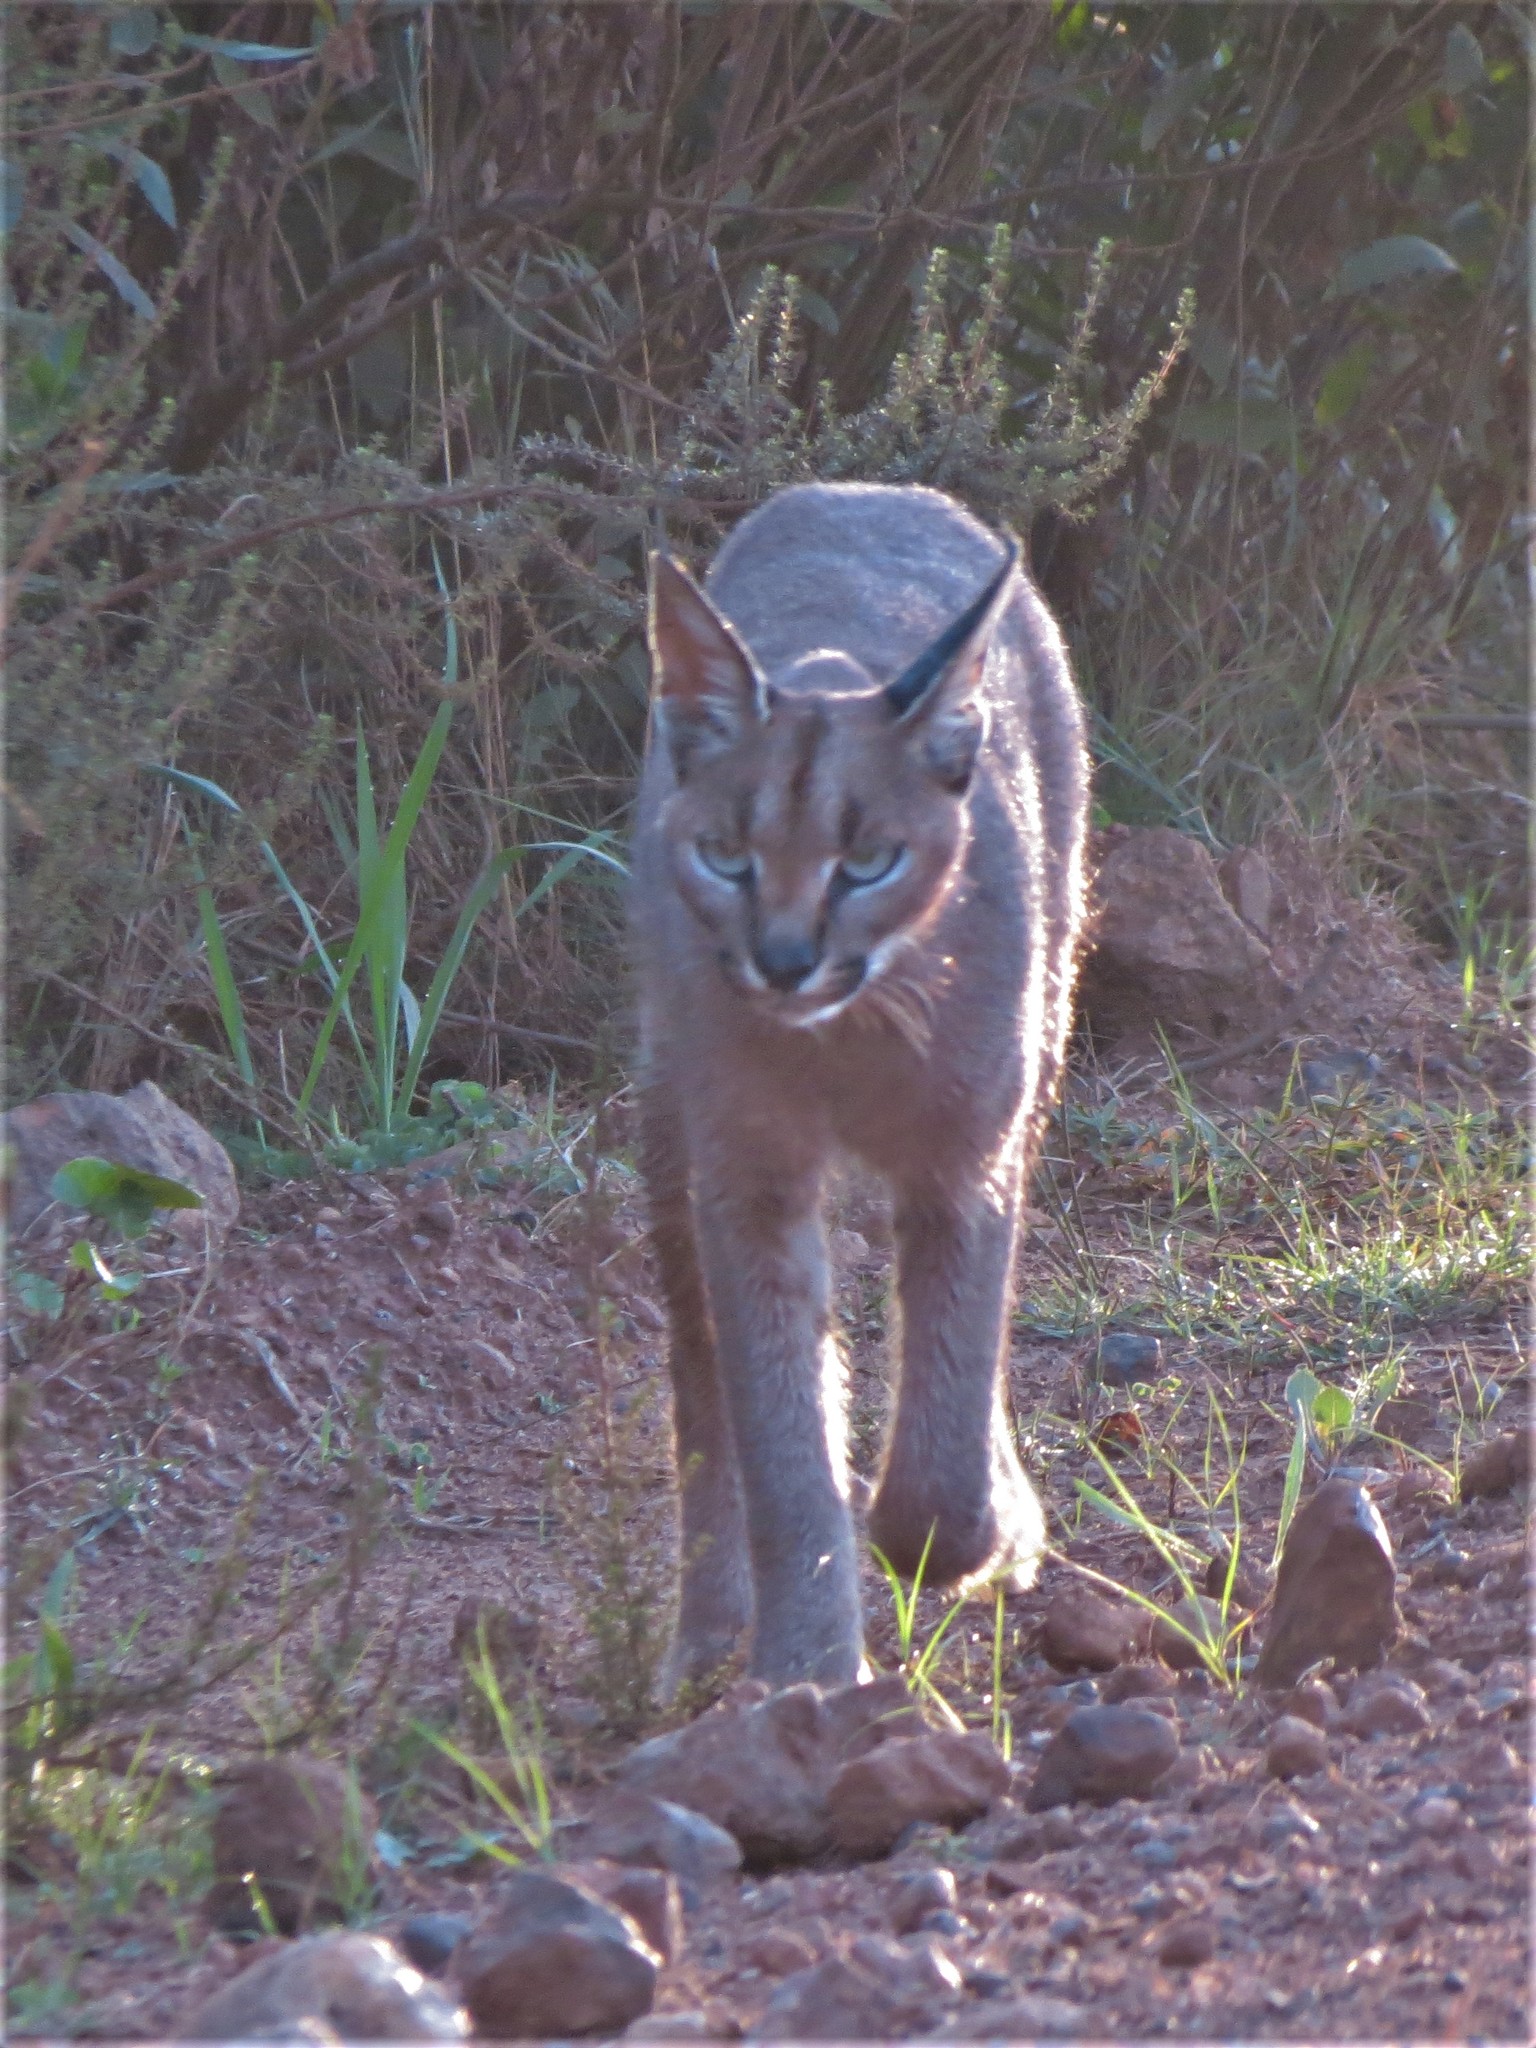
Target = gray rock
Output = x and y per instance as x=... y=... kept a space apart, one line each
x=551 y=1960
x=920 y=1893
x=142 y=1128
x=1391 y=1705
x=1168 y=948
x=634 y=1827
x=1336 y=1589
x=1125 y=1356
x=1104 y=1753
x=298 y=1833
x=1083 y=1631
x=760 y=1764
x=1296 y=1748
x=429 y=1939
x=331 y=1987
x=1340 y=1076
x=936 y=1776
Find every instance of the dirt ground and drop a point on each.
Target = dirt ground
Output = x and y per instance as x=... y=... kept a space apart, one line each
x=217 y=1460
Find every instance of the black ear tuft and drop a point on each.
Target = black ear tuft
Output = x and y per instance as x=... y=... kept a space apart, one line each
x=967 y=637
x=705 y=685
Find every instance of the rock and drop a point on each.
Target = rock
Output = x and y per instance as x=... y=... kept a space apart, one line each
x=695 y=2025
x=1138 y=1681
x=1335 y=1591
x=941 y=1776
x=632 y=1827
x=142 y=1128
x=919 y=1894
x=1248 y=883
x=1341 y=1076
x=1032 y=2016
x=298 y=1832
x=1295 y=1749
x=1197 y=1616
x=651 y=1898
x=1167 y=946
x=332 y=1987
x=777 y=1952
x=1311 y=1701
x=1125 y=1356
x=1389 y=1706
x=1187 y=1942
x=1437 y=1817
x=1104 y=1753
x=846 y=1998
x=760 y=1764
x=1082 y=1631
x=551 y=1960
x=1498 y=1466
x=429 y=1939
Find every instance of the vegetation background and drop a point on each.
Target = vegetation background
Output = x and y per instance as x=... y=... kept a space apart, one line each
x=356 y=351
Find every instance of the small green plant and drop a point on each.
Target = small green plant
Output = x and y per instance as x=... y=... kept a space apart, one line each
x=917 y=1663
x=124 y=1197
x=521 y=1796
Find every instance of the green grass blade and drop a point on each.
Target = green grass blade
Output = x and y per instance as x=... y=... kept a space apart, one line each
x=225 y=988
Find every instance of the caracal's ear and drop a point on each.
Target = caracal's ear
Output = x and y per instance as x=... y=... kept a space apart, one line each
x=706 y=688
x=935 y=695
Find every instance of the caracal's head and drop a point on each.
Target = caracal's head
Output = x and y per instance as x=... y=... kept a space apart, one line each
x=820 y=815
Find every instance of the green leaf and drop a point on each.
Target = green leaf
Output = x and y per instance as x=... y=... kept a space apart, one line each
x=1343 y=381
x=154 y=184
x=1390 y=261
x=117 y=273
x=38 y=1295
x=124 y=1196
x=1332 y=1410
x=134 y=33
x=819 y=311
x=1254 y=424
x=1464 y=66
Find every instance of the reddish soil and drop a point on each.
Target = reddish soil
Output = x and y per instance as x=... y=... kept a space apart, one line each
x=1337 y=1913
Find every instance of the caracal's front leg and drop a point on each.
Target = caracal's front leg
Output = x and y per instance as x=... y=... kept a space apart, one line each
x=715 y=1602
x=757 y=1201
x=950 y=1465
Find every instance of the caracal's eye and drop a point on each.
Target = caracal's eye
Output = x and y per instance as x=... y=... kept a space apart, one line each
x=872 y=864
x=730 y=863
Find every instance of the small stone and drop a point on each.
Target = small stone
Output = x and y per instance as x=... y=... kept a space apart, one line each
x=1335 y=1591
x=439 y=1218
x=651 y=1898
x=1287 y=1823
x=632 y=1827
x=942 y=1776
x=1311 y=1701
x=760 y=1766
x=1084 y=1632
x=841 y=1999
x=694 y=2025
x=943 y=1922
x=1390 y=1706
x=292 y=1840
x=922 y=1893
x=1296 y=1748
x=331 y=1987
x=1104 y=1753
x=1126 y=1356
x=777 y=1951
x=1138 y=1681
x=1498 y=1466
x=1032 y=2016
x=1196 y=1620
x=1342 y=1074
x=1439 y=1676
x=1437 y=1818
x=1187 y=1942
x=429 y=1939
x=918 y=1965
x=552 y=1960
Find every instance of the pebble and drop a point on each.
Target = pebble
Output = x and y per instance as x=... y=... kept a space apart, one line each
x=1296 y=1748
x=1336 y=1588
x=924 y=1892
x=1104 y=1753
x=1188 y=1942
x=1083 y=1631
x=943 y=1922
x=551 y=1960
x=633 y=1827
x=1436 y=1817
x=1288 y=1823
x=429 y=1939
x=1198 y=1616
x=942 y=1776
x=1126 y=1356
x=328 y=1988
x=1311 y=1701
x=1497 y=1466
x=1388 y=1706
x=1138 y=1682
x=777 y=1951
x=299 y=1832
